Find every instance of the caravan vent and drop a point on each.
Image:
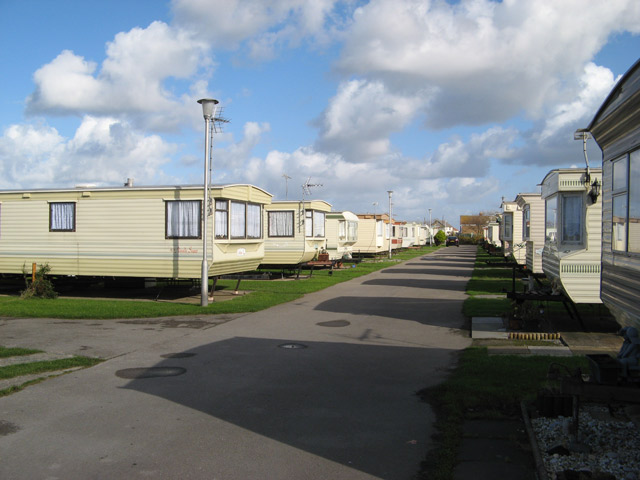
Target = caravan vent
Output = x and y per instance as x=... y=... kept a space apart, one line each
x=588 y=268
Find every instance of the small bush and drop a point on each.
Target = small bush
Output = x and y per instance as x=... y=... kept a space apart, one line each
x=41 y=286
x=440 y=237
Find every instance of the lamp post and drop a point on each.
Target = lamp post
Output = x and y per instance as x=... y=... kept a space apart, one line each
x=208 y=106
x=390 y=192
x=430 y=229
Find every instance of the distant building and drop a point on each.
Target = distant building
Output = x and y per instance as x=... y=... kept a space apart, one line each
x=474 y=225
x=445 y=226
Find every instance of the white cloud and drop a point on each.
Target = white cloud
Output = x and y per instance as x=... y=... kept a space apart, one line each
x=263 y=24
x=361 y=116
x=595 y=84
x=131 y=80
x=103 y=151
x=488 y=60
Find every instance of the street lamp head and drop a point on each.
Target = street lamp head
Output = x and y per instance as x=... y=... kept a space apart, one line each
x=208 y=104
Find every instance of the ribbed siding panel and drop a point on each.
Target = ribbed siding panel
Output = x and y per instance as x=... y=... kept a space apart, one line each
x=118 y=233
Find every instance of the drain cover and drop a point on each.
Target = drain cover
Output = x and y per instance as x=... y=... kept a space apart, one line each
x=152 y=372
x=178 y=355
x=292 y=345
x=334 y=323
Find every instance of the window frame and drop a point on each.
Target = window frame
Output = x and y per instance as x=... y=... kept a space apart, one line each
x=290 y=213
x=73 y=228
x=526 y=222
x=564 y=216
x=623 y=193
x=166 y=221
x=228 y=211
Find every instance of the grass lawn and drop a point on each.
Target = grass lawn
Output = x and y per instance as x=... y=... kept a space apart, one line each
x=35 y=368
x=263 y=294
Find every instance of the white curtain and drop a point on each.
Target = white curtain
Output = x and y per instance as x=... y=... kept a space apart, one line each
x=238 y=220
x=281 y=224
x=254 y=223
x=62 y=216
x=572 y=218
x=318 y=224
x=342 y=230
x=221 y=219
x=183 y=219
x=379 y=228
x=353 y=231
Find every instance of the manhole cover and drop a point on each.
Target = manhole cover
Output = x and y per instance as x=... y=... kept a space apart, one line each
x=334 y=323
x=292 y=345
x=178 y=355
x=152 y=372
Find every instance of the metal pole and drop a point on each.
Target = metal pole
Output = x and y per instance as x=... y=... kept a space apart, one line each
x=208 y=106
x=390 y=192
x=430 y=229
x=204 y=278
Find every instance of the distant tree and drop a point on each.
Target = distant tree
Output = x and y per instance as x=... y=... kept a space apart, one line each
x=440 y=237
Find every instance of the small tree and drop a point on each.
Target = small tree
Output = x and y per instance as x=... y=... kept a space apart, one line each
x=440 y=237
x=41 y=286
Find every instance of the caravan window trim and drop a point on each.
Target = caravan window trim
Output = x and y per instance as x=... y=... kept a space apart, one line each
x=237 y=220
x=565 y=228
x=56 y=223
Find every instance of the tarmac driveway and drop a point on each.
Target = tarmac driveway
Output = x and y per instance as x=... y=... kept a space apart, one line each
x=320 y=388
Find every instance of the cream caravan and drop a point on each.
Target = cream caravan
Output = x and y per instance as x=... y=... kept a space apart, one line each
x=296 y=231
x=151 y=232
x=373 y=234
x=573 y=227
x=615 y=128
x=342 y=234
x=511 y=232
x=532 y=206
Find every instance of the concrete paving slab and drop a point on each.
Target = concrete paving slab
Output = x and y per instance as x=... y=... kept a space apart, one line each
x=488 y=327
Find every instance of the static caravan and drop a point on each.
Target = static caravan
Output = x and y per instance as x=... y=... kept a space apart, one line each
x=151 y=232
x=373 y=234
x=422 y=234
x=616 y=129
x=532 y=206
x=342 y=234
x=511 y=232
x=296 y=231
x=408 y=234
x=573 y=227
x=396 y=234
x=492 y=235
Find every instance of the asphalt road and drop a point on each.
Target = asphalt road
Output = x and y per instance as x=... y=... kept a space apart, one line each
x=320 y=388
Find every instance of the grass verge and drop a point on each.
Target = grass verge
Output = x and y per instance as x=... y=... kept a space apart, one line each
x=482 y=386
x=263 y=294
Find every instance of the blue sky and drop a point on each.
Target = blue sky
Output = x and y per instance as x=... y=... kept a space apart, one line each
x=452 y=105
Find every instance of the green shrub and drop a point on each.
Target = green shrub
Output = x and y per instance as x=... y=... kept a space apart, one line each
x=440 y=237
x=41 y=286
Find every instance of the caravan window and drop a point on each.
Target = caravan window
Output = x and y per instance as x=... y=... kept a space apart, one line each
x=281 y=224
x=550 y=221
x=62 y=217
x=314 y=223
x=182 y=218
x=352 y=231
x=572 y=218
x=342 y=230
x=238 y=220
x=222 y=219
x=508 y=226
x=626 y=203
x=526 y=222
x=379 y=228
